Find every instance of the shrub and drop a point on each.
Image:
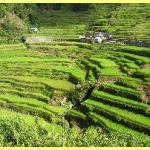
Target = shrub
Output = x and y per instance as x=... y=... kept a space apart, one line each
x=15 y=132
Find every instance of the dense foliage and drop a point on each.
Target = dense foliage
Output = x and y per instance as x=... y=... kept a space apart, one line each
x=15 y=19
x=15 y=132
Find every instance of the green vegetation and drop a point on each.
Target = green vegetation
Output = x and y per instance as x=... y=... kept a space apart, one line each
x=108 y=96
x=143 y=72
x=58 y=91
x=104 y=63
x=15 y=20
x=123 y=91
x=121 y=113
x=41 y=133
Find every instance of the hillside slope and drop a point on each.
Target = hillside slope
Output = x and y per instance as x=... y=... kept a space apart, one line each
x=75 y=90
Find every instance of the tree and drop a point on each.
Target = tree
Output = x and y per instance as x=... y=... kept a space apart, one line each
x=80 y=7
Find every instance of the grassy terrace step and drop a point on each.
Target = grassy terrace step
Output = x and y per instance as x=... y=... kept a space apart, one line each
x=90 y=65
x=71 y=43
x=48 y=46
x=121 y=102
x=30 y=120
x=22 y=53
x=135 y=119
x=104 y=63
x=55 y=84
x=135 y=50
x=110 y=72
x=91 y=76
x=37 y=96
x=122 y=91
x=37 y=66
x=22 y=87
x=136 y=58
x=12 y=46
x=122 y=60
x=119 y=59
x=131 y=65
x=16 y=83
x=109 y=125
x=130 y=82
x=130 y=37
x=114 y=72
x=60 y=45
x=46 y=70
x=10 y=81
x=33 y=59
x=76 y=114
x=57 y=33
x=14 y=53
x=75 y=72
x=52 y=75
x=143 y=72
x=32 y=103
x=28 y=71
x=26 y=109
x=61 y=30
x=95 y=69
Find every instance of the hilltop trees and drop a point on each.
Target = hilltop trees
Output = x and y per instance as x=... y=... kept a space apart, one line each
x=14 y=20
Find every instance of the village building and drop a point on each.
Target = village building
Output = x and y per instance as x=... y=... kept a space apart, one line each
x=34 y=29
x=98 y=40
x=96 y=37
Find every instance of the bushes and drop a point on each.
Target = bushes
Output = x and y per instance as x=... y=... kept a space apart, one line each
x=16 y=18
x=95 y=137
x=16 y=132
x=77 y=95
x=3 y=10
x=13 y=23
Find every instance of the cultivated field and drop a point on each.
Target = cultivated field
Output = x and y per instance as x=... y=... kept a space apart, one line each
x=51 y=82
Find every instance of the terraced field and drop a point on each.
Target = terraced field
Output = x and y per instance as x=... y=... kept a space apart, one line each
x=37 y=79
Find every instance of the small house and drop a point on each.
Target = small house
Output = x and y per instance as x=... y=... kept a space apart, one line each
x=34 y=29
x=98 y=40
x=97 y=37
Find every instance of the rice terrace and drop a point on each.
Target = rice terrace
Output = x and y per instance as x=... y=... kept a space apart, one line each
x=74 y=75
